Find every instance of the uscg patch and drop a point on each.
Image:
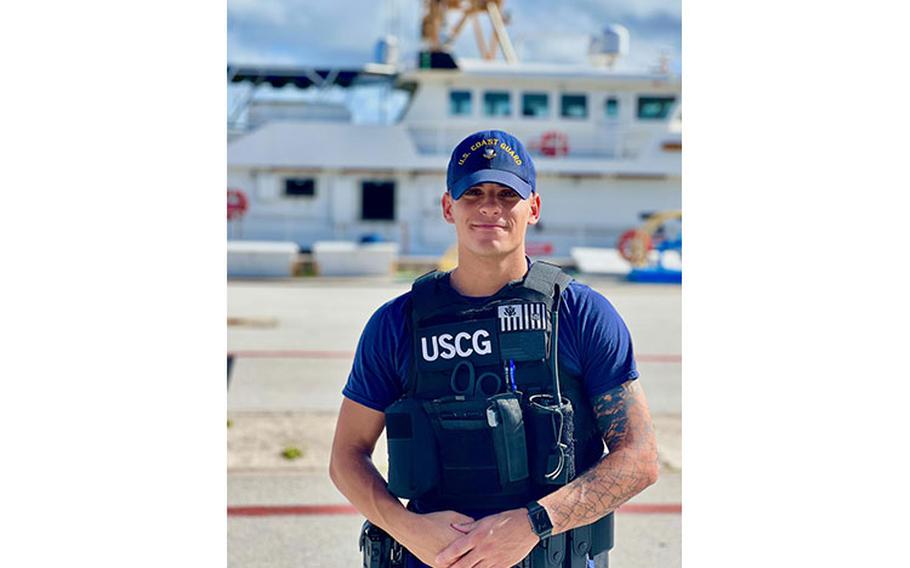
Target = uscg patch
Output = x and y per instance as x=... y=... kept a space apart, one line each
x=521 y=317
x=443 y=346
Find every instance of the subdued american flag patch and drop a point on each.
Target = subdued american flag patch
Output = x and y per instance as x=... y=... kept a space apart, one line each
x=518 y=317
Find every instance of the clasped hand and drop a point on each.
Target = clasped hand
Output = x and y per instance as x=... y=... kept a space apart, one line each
x=498 y=541
x=431 y=533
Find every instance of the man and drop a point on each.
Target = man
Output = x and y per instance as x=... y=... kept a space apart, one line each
x=491 y=199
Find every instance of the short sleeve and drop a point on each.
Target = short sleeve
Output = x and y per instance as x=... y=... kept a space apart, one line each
x=378 y=374
x=602 y=343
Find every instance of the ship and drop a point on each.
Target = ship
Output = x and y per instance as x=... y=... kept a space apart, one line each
x=606 y=143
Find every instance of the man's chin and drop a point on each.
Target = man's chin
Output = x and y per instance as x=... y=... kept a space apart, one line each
x=492 y=249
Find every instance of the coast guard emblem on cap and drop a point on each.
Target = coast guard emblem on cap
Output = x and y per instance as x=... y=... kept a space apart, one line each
x=489 y=153
x=519 y=317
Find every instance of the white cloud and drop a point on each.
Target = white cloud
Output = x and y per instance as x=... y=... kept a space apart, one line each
x=257 y=54
x=272 y=11
x=345 y=31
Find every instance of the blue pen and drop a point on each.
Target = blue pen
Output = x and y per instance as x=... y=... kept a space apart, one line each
x=512 y=374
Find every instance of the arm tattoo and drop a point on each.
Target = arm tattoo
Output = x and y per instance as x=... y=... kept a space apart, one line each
x=612 y=412
x=631 y=465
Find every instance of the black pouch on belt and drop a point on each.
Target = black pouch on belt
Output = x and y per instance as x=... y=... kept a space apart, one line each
x=482 y=445
x=602 y=535
x=551 y=435
x=413 y=455
x=579 y=546
x=549 y=553
x=379 y=549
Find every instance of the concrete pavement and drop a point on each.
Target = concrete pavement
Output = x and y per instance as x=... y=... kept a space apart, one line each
x=294 y=339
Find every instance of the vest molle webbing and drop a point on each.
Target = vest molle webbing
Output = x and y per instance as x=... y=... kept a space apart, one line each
x=466 y=435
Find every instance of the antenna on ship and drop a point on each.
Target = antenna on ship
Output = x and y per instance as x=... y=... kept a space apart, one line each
x=437 y=52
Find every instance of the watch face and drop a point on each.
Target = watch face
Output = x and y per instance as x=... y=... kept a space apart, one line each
x=540 y=520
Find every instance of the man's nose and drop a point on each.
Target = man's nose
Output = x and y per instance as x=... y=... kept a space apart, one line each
x=490 y=205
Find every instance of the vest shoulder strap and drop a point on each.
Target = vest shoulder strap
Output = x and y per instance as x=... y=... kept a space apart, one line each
x=423 y=290
x=543 y=276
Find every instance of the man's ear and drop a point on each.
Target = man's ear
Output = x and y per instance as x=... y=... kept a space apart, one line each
x=535 y=209
x=447 y=203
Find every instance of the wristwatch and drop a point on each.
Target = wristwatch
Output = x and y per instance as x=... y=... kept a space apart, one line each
x=540 y=520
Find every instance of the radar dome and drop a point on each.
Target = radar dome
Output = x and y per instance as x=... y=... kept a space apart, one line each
x=609 y=46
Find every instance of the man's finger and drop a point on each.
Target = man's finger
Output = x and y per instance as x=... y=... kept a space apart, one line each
x=455 y=550
x=464 y=528
x=466 y=561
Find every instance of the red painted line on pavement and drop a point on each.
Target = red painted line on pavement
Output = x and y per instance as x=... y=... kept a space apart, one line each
x=312 y=354
x=276 y=510
x=652 y=508
x=299 y=510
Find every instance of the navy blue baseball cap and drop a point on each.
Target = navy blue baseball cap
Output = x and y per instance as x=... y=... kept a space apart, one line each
x=491 y=156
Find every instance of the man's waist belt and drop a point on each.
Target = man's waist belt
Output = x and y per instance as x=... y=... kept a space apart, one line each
x=570 y=549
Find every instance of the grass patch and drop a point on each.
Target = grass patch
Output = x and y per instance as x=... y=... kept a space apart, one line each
x=292 y=453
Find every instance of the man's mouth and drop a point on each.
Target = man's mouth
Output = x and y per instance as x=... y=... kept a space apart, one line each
x=488 y=226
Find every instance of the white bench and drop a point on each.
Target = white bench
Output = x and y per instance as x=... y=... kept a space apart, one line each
x=593 y=260
x=261 y=258
x=345 y=258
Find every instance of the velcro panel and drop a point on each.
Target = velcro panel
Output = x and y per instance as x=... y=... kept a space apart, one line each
x=523 y=345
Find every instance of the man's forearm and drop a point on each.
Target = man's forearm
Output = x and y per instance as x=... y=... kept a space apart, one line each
x=609 y=483
x=358 y=479
x=424 y=536
x=625 y=422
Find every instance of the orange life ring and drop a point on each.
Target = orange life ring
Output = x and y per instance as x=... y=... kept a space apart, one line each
x=236 y=204
x=634 y=245
x=554 y=143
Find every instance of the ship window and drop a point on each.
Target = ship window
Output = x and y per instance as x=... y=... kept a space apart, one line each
x=497 y=103
x=611 y=107
x=655 y=108
x=459 y=103
x=535 y=104
x=377 y=199
x=574 y=106
x=299 y=187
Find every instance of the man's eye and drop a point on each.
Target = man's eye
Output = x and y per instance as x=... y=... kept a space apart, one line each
x=508 y=195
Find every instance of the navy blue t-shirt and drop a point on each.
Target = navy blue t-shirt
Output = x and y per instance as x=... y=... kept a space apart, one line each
x=593 y=343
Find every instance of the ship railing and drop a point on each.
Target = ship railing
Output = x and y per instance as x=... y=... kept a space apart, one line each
x=603 y=143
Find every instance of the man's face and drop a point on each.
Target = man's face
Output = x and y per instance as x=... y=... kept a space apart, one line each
x=491 y=219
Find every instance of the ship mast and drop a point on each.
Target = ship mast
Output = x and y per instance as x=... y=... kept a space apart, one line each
x=435 y=21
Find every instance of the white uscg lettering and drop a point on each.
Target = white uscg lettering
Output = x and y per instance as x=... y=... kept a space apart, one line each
x=423 y=347
x=482 y=347
x=461 y=352
x=445 y=341
x=443 y=346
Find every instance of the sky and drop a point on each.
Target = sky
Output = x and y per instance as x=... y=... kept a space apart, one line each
x=319 y=33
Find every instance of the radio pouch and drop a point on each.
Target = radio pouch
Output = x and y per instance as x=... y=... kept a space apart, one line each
x=507 y=426
x=550 y=433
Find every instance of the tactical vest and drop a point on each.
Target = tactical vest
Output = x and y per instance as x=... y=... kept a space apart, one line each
x=486 y=423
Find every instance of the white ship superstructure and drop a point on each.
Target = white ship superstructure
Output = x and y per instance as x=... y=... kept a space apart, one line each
x=606 y=145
